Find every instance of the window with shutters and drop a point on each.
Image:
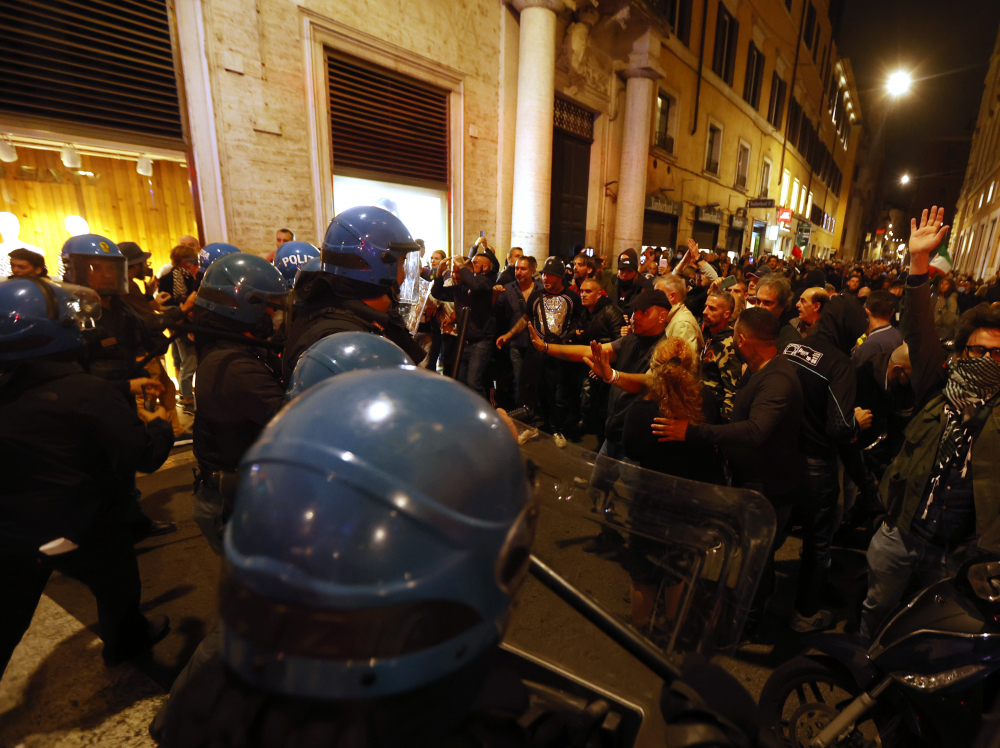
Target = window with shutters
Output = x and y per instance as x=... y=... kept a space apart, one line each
x=794 y=120
x=754 y=76
x=677 y=14
x=386 y=124
x=713 y=149
x=765 y=178
x=727 y=32
x=93 y=64
x=776 y=106
x=663 y=135
x=810 y=28
x=742 y=165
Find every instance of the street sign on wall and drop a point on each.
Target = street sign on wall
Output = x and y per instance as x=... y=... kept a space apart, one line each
x=761 y=202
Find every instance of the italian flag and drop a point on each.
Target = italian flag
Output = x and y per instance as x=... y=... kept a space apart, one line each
x=942 y=263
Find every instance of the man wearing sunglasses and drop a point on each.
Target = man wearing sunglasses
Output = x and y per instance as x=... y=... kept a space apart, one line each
x=943 y=488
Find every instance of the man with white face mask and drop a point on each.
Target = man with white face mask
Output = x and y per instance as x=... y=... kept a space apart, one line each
x=945 y=492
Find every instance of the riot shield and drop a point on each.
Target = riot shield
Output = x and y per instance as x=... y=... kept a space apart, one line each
x=678 y=561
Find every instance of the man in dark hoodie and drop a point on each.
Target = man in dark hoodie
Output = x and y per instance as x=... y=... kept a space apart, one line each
x=829 y=387
x=629 y=281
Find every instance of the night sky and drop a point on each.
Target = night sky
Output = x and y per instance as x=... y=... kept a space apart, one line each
x=945 y=44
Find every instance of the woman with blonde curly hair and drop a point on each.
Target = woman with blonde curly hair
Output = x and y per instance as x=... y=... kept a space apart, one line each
x=673 y=389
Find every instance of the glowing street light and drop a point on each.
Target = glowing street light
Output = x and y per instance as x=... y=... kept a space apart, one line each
x=905 y=179
x=899 y=83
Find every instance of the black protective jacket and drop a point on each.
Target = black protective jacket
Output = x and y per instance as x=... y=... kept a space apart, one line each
x=829 y=382
x=120 y=336
x=313 y=322
x=67 y=440
x=237 y=393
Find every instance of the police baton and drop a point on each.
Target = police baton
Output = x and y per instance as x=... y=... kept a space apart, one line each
x=463 y=323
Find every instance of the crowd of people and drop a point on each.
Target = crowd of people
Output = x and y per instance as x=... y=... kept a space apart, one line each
x=851 y=395
x=794 y=377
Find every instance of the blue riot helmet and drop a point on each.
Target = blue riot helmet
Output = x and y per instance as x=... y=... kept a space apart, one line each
x=39 y=317
x=241 y=286
x=292 y=255
x=367 y=245
x=96 y=262
x=306 y=270
x=343 y=352
x=213 y=252
x=356 y=568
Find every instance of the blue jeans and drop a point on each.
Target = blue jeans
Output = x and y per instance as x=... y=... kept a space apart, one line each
x=893 y=557
x=189 y=364
x=819 y=523
x=475 y=357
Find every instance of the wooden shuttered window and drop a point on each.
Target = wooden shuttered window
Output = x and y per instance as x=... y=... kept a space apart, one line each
x=386 y=124
x=92 y=63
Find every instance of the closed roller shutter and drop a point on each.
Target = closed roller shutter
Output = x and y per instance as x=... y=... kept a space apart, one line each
x=98 y=63
x=385 y=124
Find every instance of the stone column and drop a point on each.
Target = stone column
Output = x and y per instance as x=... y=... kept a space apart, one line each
x=640 y=94
x=536 y=75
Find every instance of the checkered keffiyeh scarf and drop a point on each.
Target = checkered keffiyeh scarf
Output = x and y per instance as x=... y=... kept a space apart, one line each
x=971 y=382
x=180 y=284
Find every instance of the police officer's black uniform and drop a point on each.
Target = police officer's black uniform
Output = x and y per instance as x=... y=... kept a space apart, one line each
x=238 y=392
x=67 y=439
x=119 y=337
x=330 y=305
x=113 y=346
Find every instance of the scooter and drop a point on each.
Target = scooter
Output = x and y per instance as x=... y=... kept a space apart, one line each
x=923 y=680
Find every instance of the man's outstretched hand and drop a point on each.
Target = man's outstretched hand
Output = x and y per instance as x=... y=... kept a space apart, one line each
x=924 y=238
x=598 y=361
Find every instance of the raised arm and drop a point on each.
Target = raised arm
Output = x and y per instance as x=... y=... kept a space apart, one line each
x=916 y=323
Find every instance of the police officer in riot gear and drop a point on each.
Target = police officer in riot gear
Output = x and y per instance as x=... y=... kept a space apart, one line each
x=358 y=287
x=119 y=338
x=212 y=252
x=365 y=596
x=291 y=256
x=68 y=438
x=343 y=352
x=237 y=385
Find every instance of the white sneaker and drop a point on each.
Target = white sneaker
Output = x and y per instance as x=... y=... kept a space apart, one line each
x=821 y=619
x=527 y=435
x=560 y=440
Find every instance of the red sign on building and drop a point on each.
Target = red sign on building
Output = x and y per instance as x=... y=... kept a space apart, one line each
x=784 y=215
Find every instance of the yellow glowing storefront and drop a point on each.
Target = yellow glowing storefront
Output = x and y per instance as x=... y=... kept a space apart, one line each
x=43 y=201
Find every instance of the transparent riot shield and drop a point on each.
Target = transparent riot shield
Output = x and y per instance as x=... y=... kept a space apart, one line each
x=676 y=560
x=413 y=292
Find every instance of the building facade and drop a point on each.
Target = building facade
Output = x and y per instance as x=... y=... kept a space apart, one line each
x=542 y=123
x=974 y=239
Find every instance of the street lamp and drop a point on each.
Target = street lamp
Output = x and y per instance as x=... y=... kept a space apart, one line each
x=899 y=83
x=905 y=179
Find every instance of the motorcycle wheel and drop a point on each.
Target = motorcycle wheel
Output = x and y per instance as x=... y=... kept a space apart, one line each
x=802 y=697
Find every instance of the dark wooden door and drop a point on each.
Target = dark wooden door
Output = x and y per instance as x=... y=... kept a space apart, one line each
x=570 y=175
